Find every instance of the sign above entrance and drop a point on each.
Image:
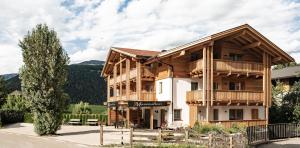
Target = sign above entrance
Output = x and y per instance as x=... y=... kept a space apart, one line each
x=112 y=104
x=147 y=103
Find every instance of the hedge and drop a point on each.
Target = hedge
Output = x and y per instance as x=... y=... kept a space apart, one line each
x=83 y=117
x=11 y=116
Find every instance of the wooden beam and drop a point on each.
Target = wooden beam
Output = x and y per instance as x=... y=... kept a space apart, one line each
x=252 y=45
x=151 y=118
x=276 y=59
x=236 y=35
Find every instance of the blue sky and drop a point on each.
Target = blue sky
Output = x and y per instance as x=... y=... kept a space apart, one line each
x=87 y=28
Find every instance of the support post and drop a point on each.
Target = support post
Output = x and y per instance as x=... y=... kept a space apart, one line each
x=101 y=134
x=151 y=118
x=230 y=142
x=128 y=117
x=159 y=136
x=186 y=137
x=131 y=138
x=210 y=140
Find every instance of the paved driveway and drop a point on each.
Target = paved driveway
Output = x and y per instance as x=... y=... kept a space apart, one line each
x=12 y=140
x=288 y=143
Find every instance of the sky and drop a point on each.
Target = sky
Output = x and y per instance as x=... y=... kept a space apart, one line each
x=87 y=28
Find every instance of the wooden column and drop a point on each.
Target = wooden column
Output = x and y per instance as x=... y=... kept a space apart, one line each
x=128 y=117
x=138 y=80
x=127 y=79
x=204 y=75
x=108 y=116
x=208 y=79
x=193 y=114
x=267 y=84
x=108 y=88
x=115 y=81
x=121 y=88
x=151 y=118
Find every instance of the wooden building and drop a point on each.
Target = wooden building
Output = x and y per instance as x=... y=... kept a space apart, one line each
x=287 y=76
x=222 y=78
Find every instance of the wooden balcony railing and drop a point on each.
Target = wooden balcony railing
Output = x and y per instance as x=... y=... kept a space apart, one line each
x=237 y=66
x=196 y=65
x=229 y=123
x=227 y=96
x=148 y=96
x=238 y=95
x=147 y=73
x=132 y=74
x=194 y=96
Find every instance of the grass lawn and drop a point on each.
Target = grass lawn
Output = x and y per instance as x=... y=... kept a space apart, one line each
x=96 y=109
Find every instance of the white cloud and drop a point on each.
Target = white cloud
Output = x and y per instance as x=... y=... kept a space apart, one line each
x=155 y=24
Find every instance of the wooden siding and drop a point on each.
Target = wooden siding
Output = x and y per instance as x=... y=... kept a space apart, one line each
x=238 y=66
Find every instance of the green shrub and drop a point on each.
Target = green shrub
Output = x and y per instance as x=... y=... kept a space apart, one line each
x=81 y=108
x=11 y=116
x=28 y=118
x=15 y=101
x=207 y=128
x=236 y=128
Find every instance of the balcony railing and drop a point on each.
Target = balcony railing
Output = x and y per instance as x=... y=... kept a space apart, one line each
x=194 y=96
x=237 y=66
x=227 y=96
x=132 y=74
x=229 y=123
x=145 y=96
x=228 y=66
x=238 y=95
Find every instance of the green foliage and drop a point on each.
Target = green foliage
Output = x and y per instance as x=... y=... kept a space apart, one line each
x=84 y=117
x=43 y=77
x=28 y=118
x=281 y=66
x=81 y=108
x=11 y=116
x=3 y=90
x=84 y=83
x=15 y=101
x=95 y=109
x=207 y=128
x=236 y=128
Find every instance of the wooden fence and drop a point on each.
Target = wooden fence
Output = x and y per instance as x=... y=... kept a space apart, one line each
x=185 y=137
x=83 y=117
x=264 y=133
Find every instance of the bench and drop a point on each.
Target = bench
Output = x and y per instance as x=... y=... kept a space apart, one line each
x=92 y=121
x=75 y=122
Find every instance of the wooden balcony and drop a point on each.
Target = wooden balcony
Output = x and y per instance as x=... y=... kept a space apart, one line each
x=229 y=123
x=145 y=96
x=194 y=96
x=228 y=66
x=231 y=96
x=120 y=78
x=237 y=66
x=238 y=96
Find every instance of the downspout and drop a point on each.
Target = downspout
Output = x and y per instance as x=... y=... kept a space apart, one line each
x=172 y=80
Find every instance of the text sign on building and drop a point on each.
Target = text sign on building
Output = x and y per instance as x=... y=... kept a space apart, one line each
x=147 y=104
x=112 y=104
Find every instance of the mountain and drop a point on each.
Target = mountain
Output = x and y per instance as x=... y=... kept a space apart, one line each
x=92 y=62
x=84 y=83
x=8 y=76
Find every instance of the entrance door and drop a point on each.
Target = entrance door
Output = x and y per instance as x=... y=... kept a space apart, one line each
x=147 y=118
x=162 y=117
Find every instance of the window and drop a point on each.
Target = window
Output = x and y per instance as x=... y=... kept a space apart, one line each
x=254 y=113
x=215 y=86
x=177 y=114
x=216 y=114
x=236 y=85
x=159 y=64
x=235 y=114
x=195 y=56
x=160 y=87
x=235 y=57
x=194 y=86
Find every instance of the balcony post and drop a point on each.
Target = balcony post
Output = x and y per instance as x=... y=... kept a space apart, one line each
x=138 y=80
x=127 y=79
x=115 y=81
x=121 y=88
x=267 y=84
x=108 y=88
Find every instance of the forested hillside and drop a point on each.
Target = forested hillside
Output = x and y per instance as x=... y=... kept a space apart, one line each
x=84 y=83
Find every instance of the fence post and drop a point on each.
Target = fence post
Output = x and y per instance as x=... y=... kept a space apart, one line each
x=230 y=142
x=159 y=136
x=186 y=135
x=210 y=140
x=101 y=135
x=131 y=137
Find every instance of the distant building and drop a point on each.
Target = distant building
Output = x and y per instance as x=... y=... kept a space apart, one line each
x=288 y=76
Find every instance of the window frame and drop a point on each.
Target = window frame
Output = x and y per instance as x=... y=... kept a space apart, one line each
x=175 y=118
x=197 y=86
x=235 y=115
x=216 y=114
x=160 y=87
x=254 y=114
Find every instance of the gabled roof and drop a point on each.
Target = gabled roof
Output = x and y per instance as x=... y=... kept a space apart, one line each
x=287 y=72
x=136 y=52
x=206 y=40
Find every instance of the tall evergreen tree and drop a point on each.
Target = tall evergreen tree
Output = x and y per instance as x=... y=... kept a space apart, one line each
x=43 y=77
x=2 y=90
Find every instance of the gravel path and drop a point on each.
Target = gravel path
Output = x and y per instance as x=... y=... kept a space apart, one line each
x=288 y=143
